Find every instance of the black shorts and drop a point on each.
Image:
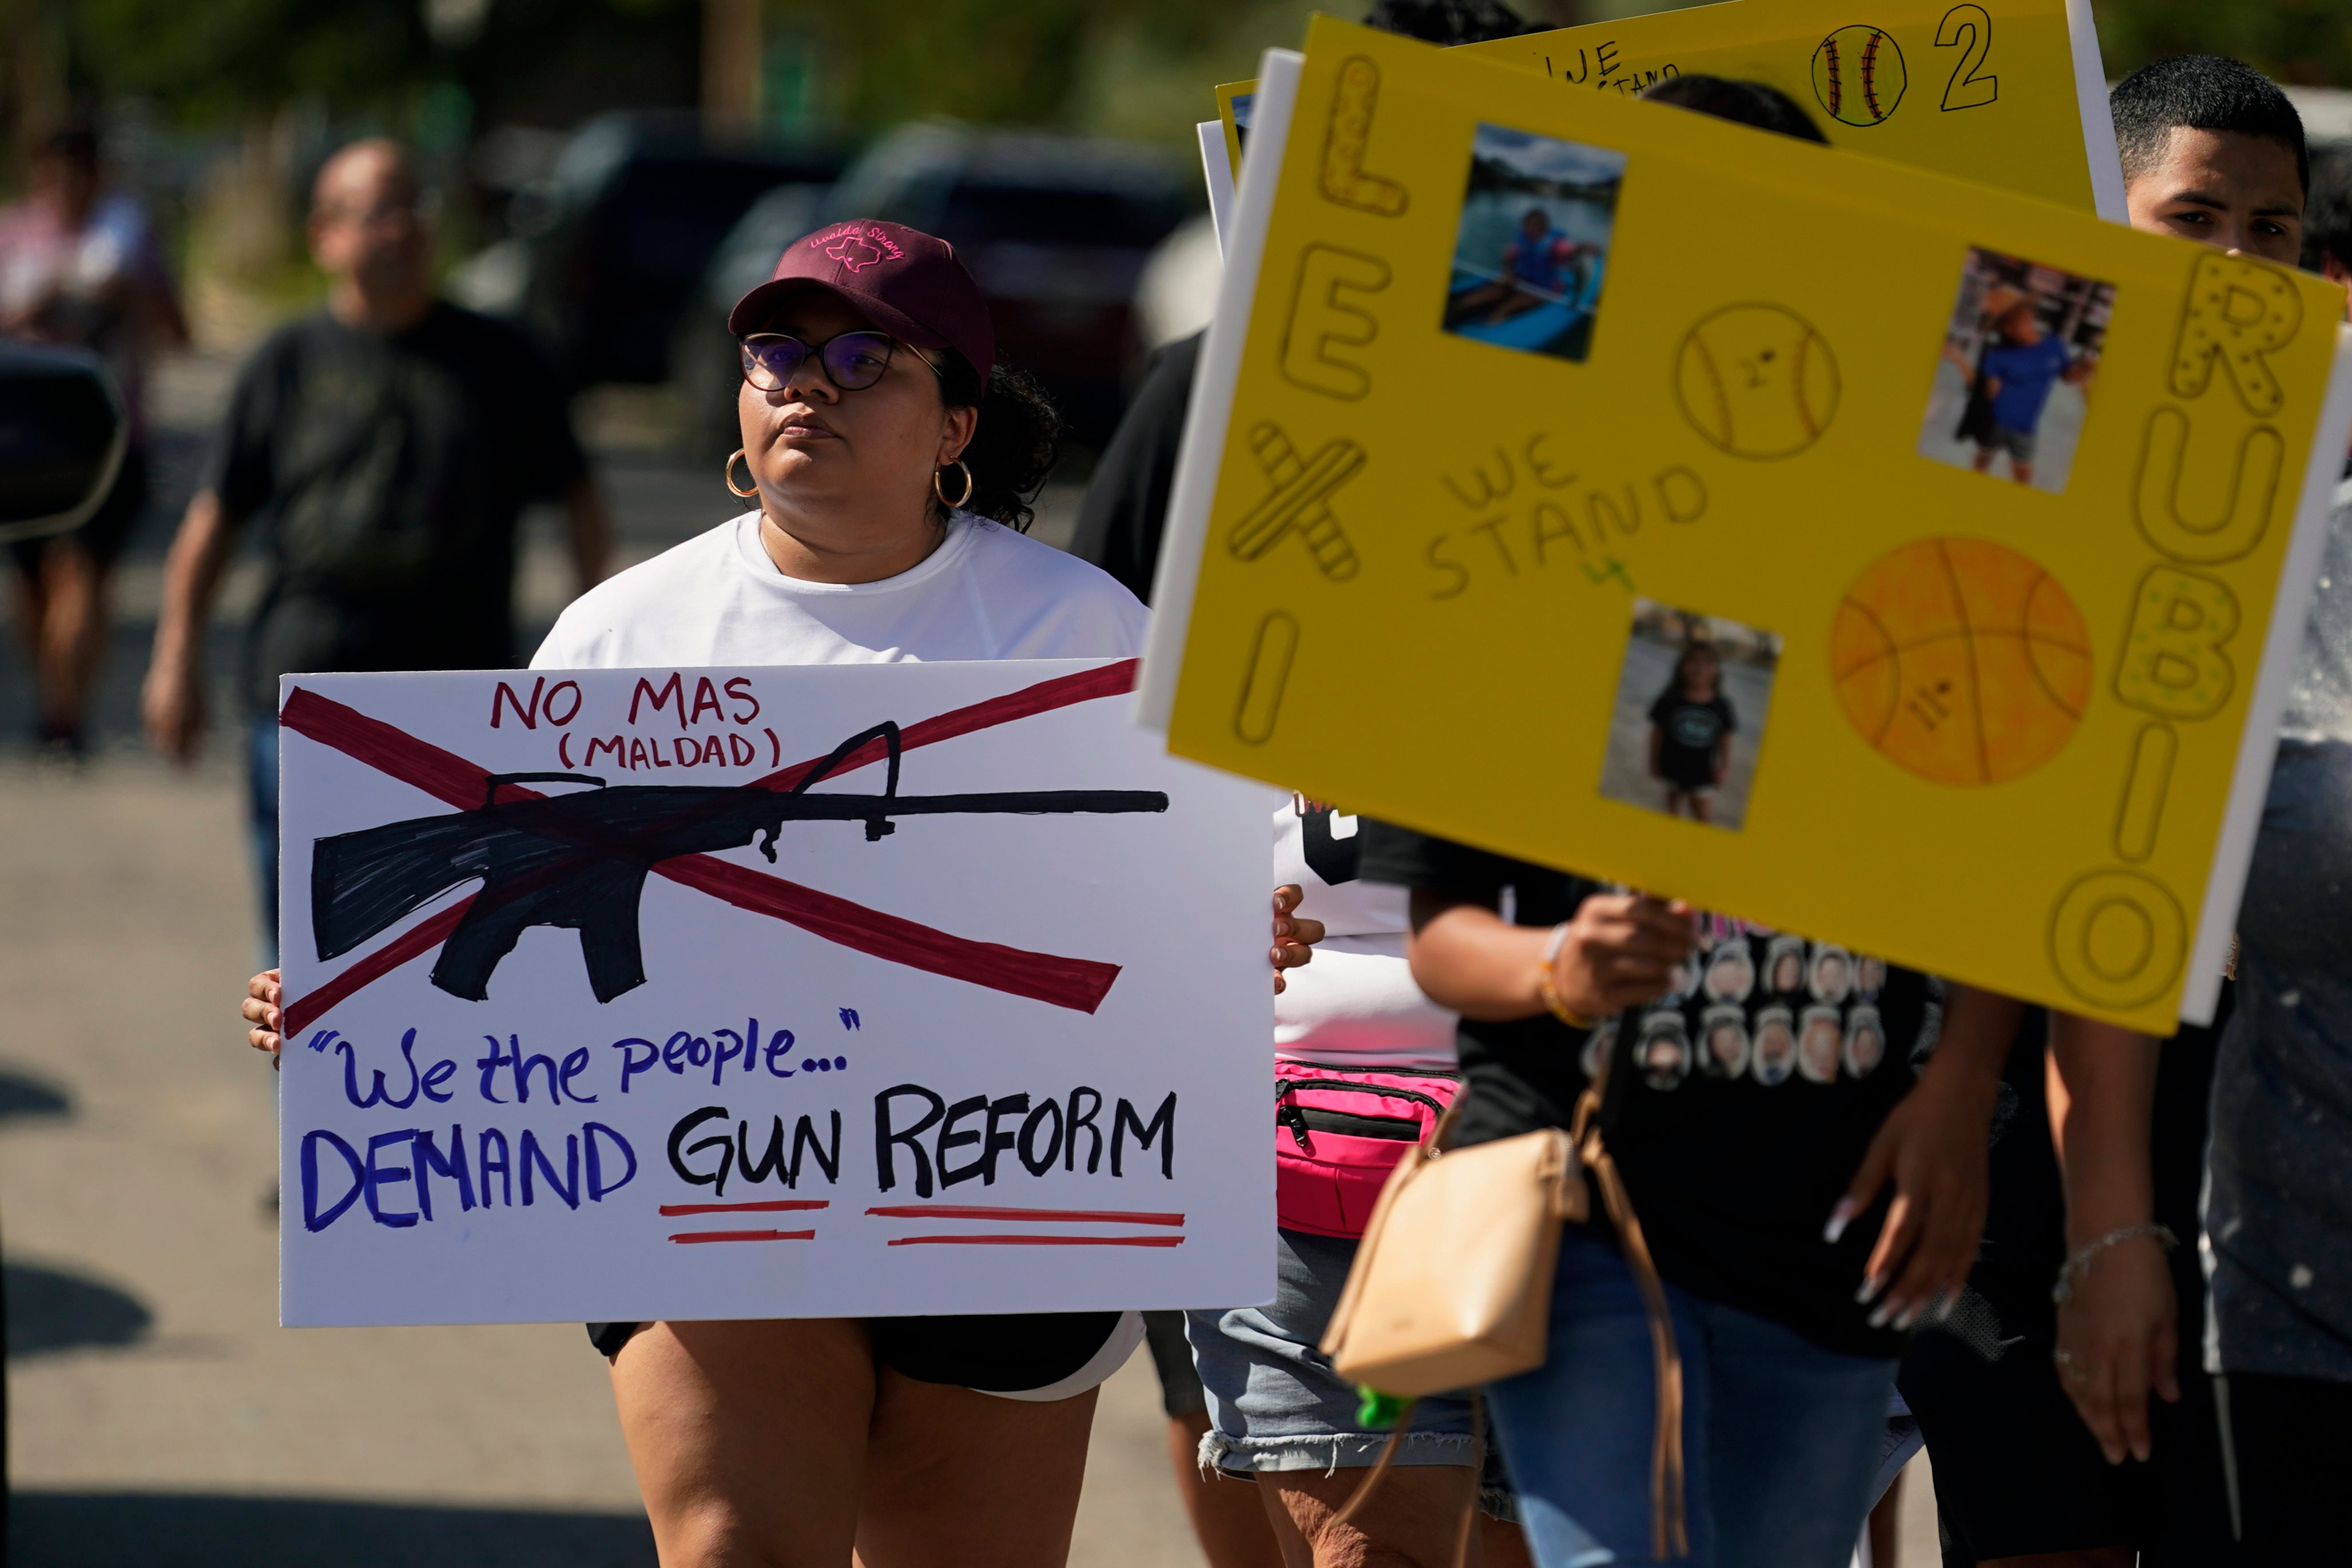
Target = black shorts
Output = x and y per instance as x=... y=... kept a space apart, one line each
x=1018 y=1355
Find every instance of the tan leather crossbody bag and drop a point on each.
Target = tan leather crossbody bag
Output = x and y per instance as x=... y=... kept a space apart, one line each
x=1452 y=1283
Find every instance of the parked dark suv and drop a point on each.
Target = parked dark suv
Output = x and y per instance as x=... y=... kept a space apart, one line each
x=623 y=233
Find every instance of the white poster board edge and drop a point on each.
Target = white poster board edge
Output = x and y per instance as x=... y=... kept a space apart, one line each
x=2098 y=119
x=1211 y=408
x=1218 y=171
x=2249 y=785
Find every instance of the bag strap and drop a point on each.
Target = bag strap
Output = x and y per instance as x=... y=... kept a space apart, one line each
x=1467 y=1532
x=1440 y=1137
x=1669 y=1533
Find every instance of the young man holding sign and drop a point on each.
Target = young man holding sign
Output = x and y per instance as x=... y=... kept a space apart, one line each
x=2275 y=1241
x=2215 y=154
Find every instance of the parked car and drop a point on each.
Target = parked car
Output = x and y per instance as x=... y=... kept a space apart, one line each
x=1055 y=230
x=616 y=243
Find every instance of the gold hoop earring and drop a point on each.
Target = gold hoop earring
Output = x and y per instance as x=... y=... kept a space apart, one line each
x=730 y=472
x=940 y=490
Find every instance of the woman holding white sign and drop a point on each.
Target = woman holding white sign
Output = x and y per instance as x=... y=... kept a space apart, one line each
x=892 y=462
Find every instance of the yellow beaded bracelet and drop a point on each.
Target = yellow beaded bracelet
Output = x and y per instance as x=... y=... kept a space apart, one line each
x=1549 y=988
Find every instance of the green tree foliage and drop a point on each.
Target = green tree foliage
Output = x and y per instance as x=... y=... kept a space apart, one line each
x=2303 y=41
x=229 y=59
x=216 y=59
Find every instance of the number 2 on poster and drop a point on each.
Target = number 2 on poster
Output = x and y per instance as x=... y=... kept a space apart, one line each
x=1969 y=29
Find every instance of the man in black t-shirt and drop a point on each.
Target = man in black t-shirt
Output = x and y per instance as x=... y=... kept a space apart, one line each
x=387 y=445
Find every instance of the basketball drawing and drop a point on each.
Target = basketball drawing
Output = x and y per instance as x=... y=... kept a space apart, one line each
x=1961 y=660
x=1756 y=380
x=1858 y=75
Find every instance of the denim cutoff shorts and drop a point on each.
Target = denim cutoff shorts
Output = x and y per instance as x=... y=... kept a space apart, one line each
x=1274 y=1403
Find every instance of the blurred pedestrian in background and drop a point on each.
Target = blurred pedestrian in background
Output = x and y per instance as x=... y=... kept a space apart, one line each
x=388 y=444
x=79 y=266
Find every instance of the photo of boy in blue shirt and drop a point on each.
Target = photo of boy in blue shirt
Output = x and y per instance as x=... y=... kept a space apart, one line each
x=2020 y=331
x=2015 y=375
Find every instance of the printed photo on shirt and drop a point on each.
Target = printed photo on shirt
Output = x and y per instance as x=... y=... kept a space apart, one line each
x=1869 y=978
x=1831 y=976
x=1866 y=1043
x=1663 y=1053
x=1689 y=716
x=1784 y=966
x=1723 y=1041
x=1821 y=1044
x=1533 y=243
x=1596 y=1048
x=1686 y=979
x=1775 y=1052
x=2010 y=387
x=1730 y=972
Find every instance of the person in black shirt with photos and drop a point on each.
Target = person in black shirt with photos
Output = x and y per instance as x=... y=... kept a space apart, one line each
x=1762 y=1094
x=1691 y=726
x=388 y=444
x=1791 y=1278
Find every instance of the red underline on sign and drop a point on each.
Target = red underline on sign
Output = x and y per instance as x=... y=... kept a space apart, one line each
x=1075 y=983
x=1037 y=1240
x=744 y=1236
x=774 y=1205
x=1080 y=1215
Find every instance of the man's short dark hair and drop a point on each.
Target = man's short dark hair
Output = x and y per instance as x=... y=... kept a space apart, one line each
x=1752 y=103
x=2201 y=92
x=2327 y=211
x=1449 y=21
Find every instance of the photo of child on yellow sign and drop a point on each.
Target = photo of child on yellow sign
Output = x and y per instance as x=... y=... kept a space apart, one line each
x=1896 y=561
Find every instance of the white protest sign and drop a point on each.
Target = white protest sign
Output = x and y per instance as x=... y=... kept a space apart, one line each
x=845 y=990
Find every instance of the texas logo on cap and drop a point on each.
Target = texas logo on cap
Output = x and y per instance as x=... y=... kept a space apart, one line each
x=859 y=247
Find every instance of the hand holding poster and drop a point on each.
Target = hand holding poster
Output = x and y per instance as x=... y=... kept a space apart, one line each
x=1993 y=522
x=770 y=992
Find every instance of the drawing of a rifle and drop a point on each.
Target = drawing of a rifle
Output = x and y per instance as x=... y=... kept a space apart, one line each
x=579 y=860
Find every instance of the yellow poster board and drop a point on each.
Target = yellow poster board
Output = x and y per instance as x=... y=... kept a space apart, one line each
x=2007 y=92
x=1561 y=459
x=1234 y=113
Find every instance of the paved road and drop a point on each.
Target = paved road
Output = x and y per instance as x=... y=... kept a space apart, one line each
x=159 y=1417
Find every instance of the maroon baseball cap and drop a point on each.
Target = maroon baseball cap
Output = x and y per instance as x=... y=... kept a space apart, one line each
x=904 y=281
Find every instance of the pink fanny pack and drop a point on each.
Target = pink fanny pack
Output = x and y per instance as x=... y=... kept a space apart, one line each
x=1338 y=1133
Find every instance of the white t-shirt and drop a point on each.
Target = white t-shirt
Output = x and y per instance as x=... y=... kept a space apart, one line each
x=987 y=592
x=1356 y=1004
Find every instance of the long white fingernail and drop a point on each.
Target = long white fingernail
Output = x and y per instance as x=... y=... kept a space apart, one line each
x=1885 y=1311
x=1871 y=1286
x=1839 y=1217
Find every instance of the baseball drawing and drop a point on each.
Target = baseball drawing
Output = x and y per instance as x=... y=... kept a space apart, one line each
x=1858 y=75
x=1756 y=380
